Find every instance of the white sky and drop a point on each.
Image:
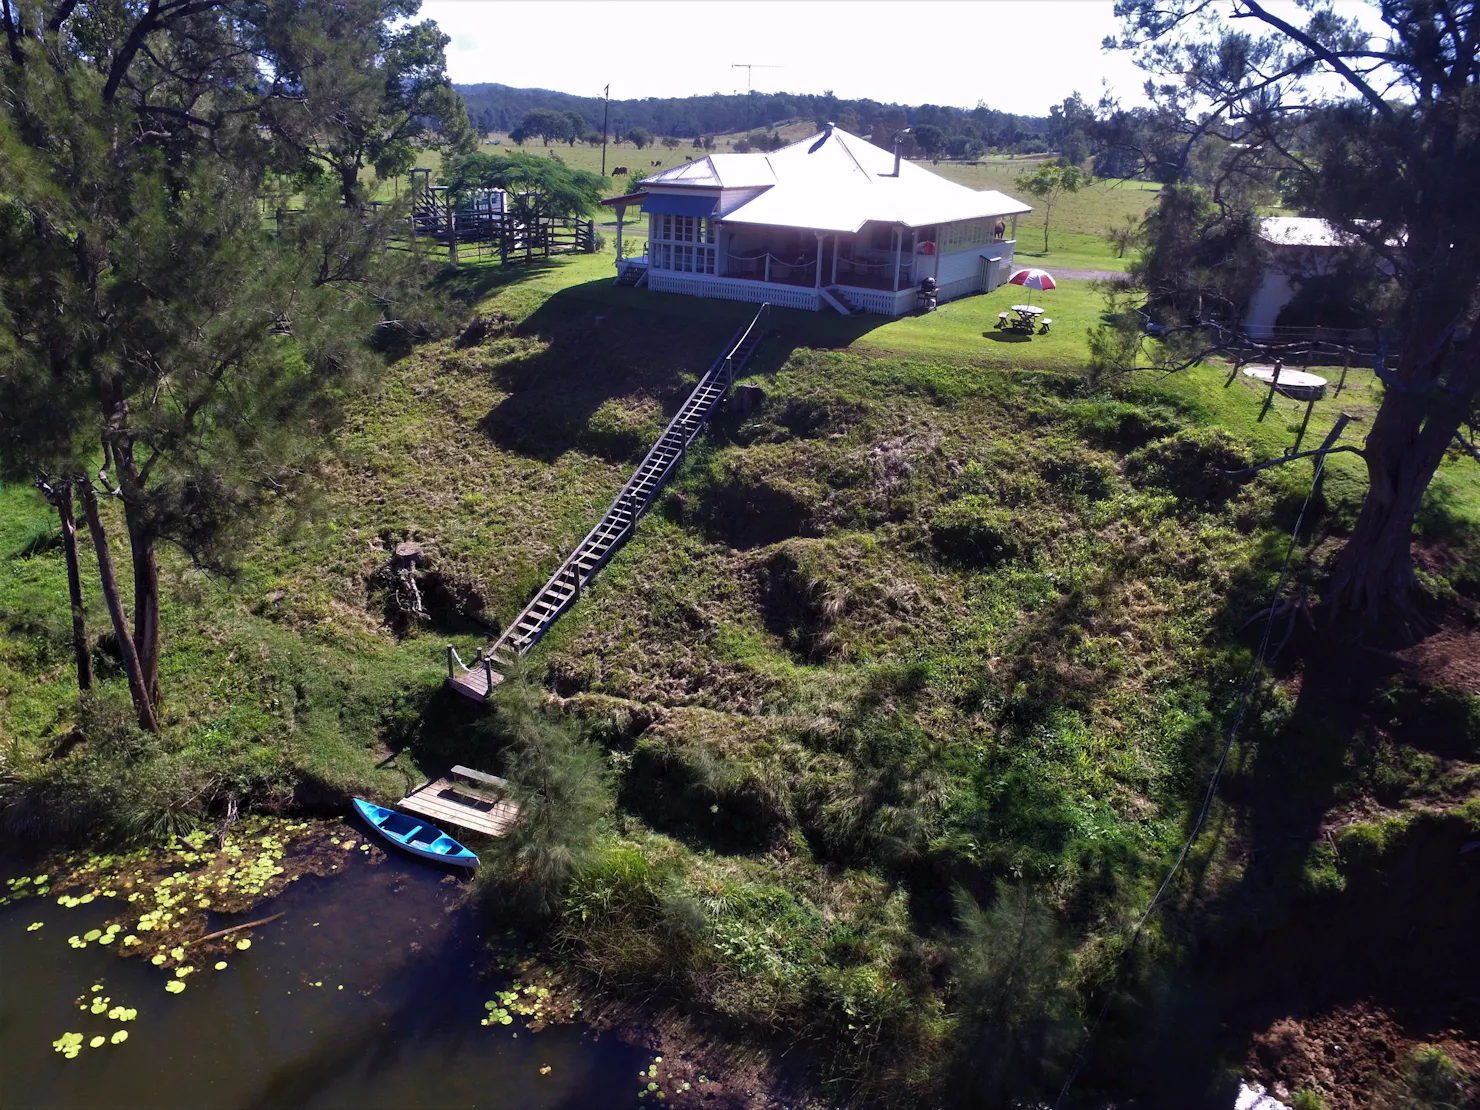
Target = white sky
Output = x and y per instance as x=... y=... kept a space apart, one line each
x=1016 y=55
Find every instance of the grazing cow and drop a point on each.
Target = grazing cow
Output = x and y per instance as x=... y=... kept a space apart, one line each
x=620 y=171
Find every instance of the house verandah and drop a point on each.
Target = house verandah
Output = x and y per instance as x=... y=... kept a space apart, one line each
x=824 y=223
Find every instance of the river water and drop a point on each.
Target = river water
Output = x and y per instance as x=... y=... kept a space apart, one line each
x=366 y=994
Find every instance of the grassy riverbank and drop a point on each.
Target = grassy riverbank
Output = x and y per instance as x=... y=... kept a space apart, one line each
x=906 y=692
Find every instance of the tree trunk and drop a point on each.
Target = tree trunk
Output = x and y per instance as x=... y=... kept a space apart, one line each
x=65 y=510
x=146 y=605
x=1420 y=413
x=143 y=707
x=146 y=567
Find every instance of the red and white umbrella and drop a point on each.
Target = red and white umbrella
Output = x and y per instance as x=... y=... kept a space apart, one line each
x=1033 y=279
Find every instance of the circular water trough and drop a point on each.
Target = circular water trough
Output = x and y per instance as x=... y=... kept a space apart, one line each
x=1293 y=383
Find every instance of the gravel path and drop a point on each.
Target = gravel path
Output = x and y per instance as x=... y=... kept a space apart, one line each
x=1086 y=275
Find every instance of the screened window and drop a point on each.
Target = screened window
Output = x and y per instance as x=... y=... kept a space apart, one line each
x=682 y=243
x=968 y=233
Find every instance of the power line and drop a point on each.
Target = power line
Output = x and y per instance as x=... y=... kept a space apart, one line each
x=1207 y=803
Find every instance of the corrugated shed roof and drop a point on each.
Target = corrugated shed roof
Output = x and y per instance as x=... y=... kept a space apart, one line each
x=1302 y=231
x=835 y=181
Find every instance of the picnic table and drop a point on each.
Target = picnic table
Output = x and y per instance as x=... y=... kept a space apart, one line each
x=1025 y=321
x=1027 y=317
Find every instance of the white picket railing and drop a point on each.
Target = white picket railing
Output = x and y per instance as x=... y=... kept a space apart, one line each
x=731 y=289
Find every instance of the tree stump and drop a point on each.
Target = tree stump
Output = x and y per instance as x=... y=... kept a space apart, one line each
x=746 y=399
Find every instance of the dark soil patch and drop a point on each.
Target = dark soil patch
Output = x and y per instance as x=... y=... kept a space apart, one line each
x=1450 y=657
x=1350 y=1054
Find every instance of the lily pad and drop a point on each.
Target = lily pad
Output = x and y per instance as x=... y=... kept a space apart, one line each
x=243 y=945
x=92 y=934
x=97 y=1042
x=175 y=986
x=31 y=928
x=220 y=965
x=119 y=1036
x=157 y=960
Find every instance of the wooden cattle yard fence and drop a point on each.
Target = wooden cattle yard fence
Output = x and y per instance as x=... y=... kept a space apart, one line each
x=475 y=229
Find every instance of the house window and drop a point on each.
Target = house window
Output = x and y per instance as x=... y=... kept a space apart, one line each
x=968 y=233
x=682 y=243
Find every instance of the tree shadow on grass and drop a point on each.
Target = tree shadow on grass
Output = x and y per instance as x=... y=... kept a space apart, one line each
x=1291 y=921
x=595 y=342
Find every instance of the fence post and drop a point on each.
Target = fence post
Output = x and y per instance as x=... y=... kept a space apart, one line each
x=451 y=234
x=1274 y=383
x=1345 y=366
x=488 y=673
x=1300 y=436
x=450 y=673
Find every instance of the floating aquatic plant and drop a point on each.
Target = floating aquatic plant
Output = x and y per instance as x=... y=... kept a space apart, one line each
x=158 y=959
x=175 y=986
x=97 y=1042
x=68 y=1044
x=181 y=972
x=31 y=928
x=545 y=1070
x=220 y=965
x=243 y=944
x=119 y=1036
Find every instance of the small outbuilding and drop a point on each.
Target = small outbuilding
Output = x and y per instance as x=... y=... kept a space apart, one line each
x=830 y=221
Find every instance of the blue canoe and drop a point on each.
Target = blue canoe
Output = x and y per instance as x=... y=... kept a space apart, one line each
x=415 y=835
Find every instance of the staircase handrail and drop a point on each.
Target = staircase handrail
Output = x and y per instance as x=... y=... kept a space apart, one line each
x=567 y=568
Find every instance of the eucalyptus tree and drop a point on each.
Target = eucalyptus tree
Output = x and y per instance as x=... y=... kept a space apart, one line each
x=1372 y=122
x=187 y=365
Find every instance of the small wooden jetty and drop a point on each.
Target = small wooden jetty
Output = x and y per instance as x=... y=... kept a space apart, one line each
x=466 y=798
x=564 y=586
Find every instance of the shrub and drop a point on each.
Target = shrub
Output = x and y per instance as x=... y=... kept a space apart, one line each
x=1430 y=1080
x=560 y=783
x=974 y=531
x=1189 y=464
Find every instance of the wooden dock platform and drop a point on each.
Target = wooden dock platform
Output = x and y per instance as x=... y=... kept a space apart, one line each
x=448 y=801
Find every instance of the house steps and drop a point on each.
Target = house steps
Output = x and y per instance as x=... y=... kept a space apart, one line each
x=835 y=297
x=633 y=275
x=563 y=589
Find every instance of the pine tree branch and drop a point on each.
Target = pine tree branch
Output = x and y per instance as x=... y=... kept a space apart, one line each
x=1468 y=446
x=1367 y=92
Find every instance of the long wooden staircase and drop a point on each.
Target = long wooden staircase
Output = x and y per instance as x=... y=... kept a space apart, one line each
x=564 y=586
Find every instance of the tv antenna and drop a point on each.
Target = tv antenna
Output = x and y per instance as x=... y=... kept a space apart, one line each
x=747 y=67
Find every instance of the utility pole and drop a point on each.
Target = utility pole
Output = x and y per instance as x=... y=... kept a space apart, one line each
x=747 y=67
x=606 y=112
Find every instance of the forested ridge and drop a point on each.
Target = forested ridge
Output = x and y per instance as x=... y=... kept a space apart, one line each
x=495 y=107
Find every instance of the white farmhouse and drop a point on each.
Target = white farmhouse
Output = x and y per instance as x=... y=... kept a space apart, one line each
x=831 y=221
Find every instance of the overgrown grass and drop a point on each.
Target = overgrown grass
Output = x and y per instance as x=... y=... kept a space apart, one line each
x=920 y=664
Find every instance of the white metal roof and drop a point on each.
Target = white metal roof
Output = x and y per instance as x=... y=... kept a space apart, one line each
x=835 y=181
x=1302 y=231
